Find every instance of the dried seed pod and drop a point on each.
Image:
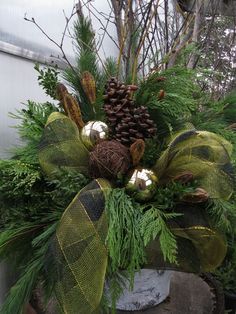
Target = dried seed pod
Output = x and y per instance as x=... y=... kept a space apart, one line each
x=198 y=196
x=72 y=109
x=184 y=177
x=89 y=86
x=161 y=94
x=137 y=150
x=132 y=87
x=61 y=90
x=70 y=105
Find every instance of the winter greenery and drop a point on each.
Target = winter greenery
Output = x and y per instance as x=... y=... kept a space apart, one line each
x=32 y=204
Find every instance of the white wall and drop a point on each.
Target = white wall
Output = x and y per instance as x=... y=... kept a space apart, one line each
x=18 y=83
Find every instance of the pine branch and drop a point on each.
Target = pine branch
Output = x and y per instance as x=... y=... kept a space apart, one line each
x=21 y=292
x=86 y=60
x=176 y=103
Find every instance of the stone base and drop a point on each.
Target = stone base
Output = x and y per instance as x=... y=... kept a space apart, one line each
x=188 y=294
x=151 y=287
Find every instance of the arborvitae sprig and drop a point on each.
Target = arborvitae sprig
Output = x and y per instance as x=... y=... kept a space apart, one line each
x=17 y=178
x=64 y=188
x=132 y=226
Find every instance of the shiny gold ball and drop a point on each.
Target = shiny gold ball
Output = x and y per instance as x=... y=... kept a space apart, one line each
x=142 y=184
x=93 y=132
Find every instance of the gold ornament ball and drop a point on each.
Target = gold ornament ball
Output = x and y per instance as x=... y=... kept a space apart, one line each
x=93 y=132
x=142 y=184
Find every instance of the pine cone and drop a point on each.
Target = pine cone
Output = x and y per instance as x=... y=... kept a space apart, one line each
x=126 y=122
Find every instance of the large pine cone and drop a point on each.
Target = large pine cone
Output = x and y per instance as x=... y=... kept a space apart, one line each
x=126 y=122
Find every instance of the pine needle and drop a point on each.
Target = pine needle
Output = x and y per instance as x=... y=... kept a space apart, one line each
x=21 y=292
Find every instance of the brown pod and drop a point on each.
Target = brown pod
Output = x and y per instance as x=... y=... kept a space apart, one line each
x=72 y=109
x=184 y=177
x=61 y=90
x=137 y=150
x=161 y=94
x=198 y=196
x=70 y=105
x=160 y=79
x=89 y=86
x=132 y=87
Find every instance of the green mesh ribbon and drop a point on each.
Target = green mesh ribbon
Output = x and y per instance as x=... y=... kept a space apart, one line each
x=200 y=247
x=204 y=154
x=207 y=156
x=79 y=251
x=61 y=147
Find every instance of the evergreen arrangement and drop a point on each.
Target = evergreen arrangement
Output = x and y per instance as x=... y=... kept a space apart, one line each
x=170 y=206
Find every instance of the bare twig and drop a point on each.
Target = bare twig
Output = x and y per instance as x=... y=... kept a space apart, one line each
x=60 y=46
x=104 y=27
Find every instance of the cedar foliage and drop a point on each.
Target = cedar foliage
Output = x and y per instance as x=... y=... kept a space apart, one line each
x=133 y=225
x=126 y=248
x=32 y=122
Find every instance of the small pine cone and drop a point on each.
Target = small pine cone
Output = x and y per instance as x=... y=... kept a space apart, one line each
x=126 y=122
x=117 y=103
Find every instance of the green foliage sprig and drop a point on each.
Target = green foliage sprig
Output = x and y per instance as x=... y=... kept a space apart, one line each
x=125 y=245
x=25 y=194
x=87 y=59
x=21 y=292
x=31 y=124
x=132 y=226
x=181 y=94
x=223 y=215
x=48 y=79
x=153 y=225
x=218 y=117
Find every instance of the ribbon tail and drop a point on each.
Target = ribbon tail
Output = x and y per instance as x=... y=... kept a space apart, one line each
x=79 y=251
